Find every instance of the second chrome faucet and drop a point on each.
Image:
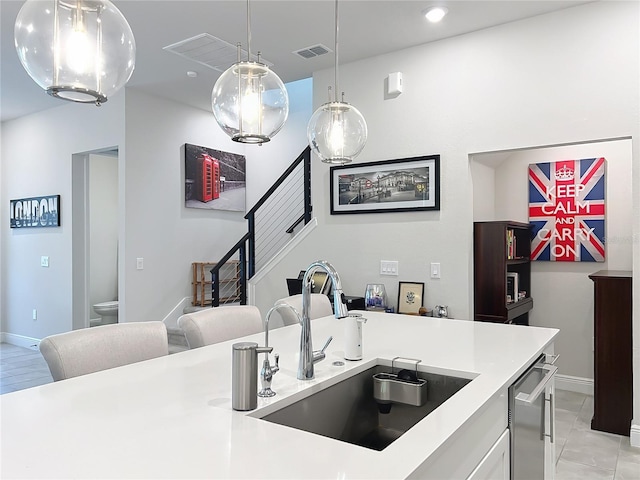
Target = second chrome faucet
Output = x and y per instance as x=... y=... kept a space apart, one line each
x=267 y=372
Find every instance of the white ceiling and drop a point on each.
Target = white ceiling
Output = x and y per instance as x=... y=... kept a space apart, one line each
x=367 y=28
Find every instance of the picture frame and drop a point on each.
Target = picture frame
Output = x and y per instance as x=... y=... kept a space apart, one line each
x=410 y=297
x=320 y=282
x=401 y=185
x=214 y=179
x=35 y=212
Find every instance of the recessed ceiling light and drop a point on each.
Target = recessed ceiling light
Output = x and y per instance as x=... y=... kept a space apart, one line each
x=192 y=74
x=435 y=14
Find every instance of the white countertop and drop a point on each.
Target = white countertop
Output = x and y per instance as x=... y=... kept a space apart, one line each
x=171 y=417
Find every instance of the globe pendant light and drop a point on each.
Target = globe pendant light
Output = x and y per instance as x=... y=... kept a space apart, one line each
x=249 y=101
x=337 y=131
x=77 y=50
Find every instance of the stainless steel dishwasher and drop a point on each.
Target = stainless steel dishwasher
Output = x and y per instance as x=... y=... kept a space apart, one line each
x=531 y=422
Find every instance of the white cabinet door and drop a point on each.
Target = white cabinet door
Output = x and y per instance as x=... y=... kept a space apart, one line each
x=495 y=464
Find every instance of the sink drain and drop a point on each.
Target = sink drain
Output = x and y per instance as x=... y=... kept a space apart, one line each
x=338 y=363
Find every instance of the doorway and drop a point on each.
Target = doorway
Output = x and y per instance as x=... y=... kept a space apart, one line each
x=95 y=235
x=562 y=291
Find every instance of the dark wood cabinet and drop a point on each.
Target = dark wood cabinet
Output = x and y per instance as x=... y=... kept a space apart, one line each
x=612 y=389
x=493 y=261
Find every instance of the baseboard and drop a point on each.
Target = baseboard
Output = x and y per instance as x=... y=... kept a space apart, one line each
x=634 y=436
x=20 y=340
x=575 y=384
x=171 y=320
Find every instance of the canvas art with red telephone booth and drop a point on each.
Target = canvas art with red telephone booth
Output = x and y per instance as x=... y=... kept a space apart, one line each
x=214 y=179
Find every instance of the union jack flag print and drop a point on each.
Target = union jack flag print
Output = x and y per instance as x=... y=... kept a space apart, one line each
x=566 y=210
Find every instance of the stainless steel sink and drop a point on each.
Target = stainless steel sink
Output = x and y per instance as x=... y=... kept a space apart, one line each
x=348 y=412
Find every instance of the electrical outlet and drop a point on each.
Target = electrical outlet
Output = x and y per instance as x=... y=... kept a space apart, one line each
x=435 y=270
x=388 y=267
x=44 y=261
x=35 y=314
x=140 y=263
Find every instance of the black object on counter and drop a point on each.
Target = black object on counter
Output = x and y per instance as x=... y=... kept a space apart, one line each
x=354 y=303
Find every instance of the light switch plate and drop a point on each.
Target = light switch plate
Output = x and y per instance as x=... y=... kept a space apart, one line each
x=140 y=263
x=44 y=261
x=389 y=267
x=435 y=270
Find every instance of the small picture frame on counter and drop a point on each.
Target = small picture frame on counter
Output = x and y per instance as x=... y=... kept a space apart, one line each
x=320 y=283
x=410 y=297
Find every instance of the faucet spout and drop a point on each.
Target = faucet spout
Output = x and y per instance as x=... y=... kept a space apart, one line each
x=307 y=357
x=267 y=372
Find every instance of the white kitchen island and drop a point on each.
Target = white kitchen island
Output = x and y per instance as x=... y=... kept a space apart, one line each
x=171 y=417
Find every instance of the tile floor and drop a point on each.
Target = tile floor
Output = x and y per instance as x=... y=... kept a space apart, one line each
x=581 y=453
x=21 y=368
x=586 y=454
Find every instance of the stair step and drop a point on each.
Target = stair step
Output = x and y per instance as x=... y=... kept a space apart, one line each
x=177 y=340
x=193 y=308
x=176 y=337
x=177 y=349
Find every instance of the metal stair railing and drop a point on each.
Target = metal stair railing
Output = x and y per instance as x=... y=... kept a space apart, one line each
x=271 y=222
x=239 y=248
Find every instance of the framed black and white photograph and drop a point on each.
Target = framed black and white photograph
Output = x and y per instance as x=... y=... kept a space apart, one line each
x=402 y=185
x=410 y=296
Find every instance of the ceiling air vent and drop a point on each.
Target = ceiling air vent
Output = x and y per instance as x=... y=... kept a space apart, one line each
x=313 y=51
x=210 y=51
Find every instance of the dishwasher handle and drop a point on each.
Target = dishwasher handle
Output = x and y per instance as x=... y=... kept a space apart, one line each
x=528 y=399
x=550 y=359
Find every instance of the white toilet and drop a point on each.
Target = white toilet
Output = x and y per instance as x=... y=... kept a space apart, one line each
x=108 y=312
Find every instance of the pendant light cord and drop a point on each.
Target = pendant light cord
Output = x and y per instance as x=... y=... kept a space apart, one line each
x=335 y=93
x=248 y=32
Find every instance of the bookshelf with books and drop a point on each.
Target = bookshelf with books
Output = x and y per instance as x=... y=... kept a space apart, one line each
x=502 y=272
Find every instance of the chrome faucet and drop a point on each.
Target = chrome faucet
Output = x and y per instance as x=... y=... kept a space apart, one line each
x=307 y=356
x=267 y=372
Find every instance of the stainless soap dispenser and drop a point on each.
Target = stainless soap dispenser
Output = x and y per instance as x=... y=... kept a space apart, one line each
x=244 y=375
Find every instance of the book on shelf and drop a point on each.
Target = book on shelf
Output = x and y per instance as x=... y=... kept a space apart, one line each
x=511 y=244
x=512 y=287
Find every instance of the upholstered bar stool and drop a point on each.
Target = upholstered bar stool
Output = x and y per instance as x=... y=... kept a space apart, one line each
x=219 y=324
x=320 y=307
x=90 y=350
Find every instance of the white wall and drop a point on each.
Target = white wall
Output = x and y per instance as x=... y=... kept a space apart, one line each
x=567 y=77
x=562 y=291
x=103 y=230
x=513 y=86
x=153 y=221
x=483 y=179
x=267 y=162
x=36 y=160
x=158 y=227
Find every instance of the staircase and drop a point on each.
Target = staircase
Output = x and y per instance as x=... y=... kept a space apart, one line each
x=272 y=222
x=177 y=340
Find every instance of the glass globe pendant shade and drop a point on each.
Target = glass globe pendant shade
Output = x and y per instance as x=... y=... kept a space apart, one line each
x=250 y=102
x=337 y=132
x=78 y=50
